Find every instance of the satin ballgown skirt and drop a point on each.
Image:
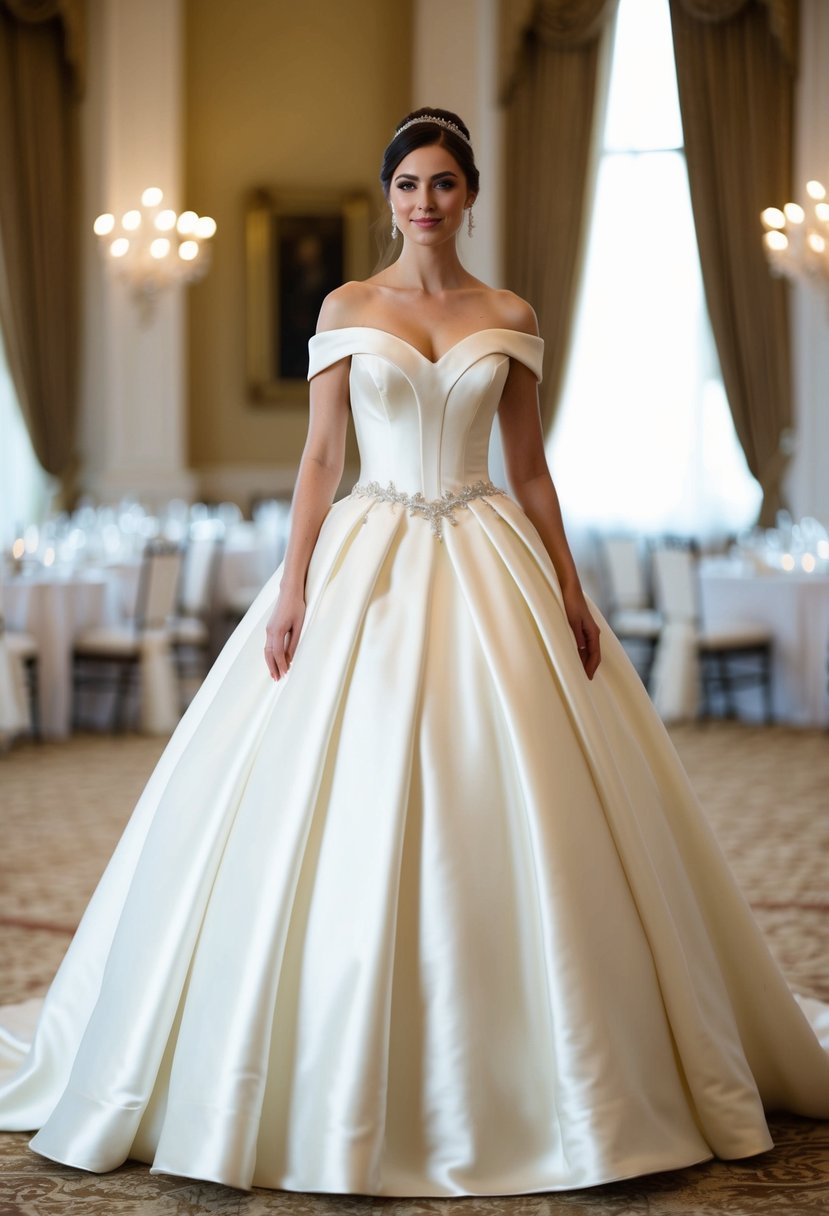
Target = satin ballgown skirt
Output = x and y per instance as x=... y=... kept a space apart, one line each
x=434 y=915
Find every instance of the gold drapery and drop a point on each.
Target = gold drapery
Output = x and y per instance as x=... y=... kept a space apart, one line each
x=554 y=88
x=41 y=77
x=735 y=64
x=782 y=17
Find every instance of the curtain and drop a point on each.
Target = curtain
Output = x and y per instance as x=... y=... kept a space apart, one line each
x=735 y=63
x=554 y=85
x=41 y=76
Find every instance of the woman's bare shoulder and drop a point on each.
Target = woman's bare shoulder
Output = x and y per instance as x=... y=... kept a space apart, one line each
x=513 y=312
x=344 y=306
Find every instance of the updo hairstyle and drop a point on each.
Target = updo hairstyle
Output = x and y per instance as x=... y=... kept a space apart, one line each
x=420 y=135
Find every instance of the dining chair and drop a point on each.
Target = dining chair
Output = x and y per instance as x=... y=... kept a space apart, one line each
x=193 y=632
x=631 y=614
x=109 y=656
x=732 y=653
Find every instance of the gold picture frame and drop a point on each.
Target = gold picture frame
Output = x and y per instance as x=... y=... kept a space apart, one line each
x=298 y=247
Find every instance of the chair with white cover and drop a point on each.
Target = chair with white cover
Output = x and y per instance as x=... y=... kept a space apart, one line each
x=19 y=655
x=631 y=614
x=730 y=654
x=115 y=656
x=193 y=628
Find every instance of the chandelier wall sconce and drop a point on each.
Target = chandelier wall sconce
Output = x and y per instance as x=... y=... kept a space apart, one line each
x=152 y=247
x=796 y=239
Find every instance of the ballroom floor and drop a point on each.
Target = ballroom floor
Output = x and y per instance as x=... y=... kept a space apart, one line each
x=767 y=793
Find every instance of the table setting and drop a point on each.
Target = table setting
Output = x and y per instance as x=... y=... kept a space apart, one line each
x=73 y=572
x=777 y=578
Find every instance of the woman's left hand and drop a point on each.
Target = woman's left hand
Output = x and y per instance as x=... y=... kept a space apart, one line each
x=585 y=630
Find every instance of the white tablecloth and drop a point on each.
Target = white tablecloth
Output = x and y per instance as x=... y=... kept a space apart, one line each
x=251 y=566
x=54 y=607
x=795 y=607
x=54 y=611
x=14 y=707
x=795 y=610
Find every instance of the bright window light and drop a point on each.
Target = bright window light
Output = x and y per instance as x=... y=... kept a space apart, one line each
x=644 y=440
x=24 y=487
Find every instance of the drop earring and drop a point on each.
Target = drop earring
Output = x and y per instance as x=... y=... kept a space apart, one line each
x=393 y=225
x=470 y=223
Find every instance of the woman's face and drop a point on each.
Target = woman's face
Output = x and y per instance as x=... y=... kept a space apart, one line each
x=428 y=194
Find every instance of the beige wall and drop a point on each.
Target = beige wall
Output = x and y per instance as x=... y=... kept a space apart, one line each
x=288 y=95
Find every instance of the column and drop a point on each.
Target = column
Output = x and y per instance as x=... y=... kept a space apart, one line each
x=807 y=483
x=133 y=393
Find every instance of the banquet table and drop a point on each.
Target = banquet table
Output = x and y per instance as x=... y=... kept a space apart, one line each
x=795 y=608
x=248 y=560
x=55 y=605
x=54 y=609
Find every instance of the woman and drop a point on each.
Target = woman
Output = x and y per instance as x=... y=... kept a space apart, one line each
x=435 y=911
x=429 y=300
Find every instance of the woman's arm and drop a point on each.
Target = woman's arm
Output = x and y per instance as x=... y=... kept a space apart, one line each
x=320 y=471
x=529 y=476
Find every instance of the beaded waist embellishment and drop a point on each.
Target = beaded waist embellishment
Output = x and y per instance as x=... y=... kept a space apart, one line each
x=436 y=510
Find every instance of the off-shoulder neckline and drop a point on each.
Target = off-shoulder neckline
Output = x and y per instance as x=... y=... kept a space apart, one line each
x=404 y=341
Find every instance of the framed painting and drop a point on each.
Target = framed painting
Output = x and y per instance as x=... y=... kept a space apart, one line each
x=298 y=247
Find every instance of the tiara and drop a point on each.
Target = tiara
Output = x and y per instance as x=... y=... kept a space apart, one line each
x=440 y=122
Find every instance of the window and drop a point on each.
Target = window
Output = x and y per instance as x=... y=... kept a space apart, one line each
x=23 y=484
x=644 y=440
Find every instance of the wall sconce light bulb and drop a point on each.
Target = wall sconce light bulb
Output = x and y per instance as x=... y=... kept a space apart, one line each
x=205 y=227
x=773 y=217
x=187 y=223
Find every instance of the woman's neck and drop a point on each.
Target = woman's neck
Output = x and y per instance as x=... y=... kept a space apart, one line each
x=431 y=271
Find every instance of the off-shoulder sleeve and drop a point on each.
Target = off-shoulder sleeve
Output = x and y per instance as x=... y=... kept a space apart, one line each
x=327 y=348
x=526 y=348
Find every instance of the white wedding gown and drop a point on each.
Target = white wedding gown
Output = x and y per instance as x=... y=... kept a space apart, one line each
x=435 y=914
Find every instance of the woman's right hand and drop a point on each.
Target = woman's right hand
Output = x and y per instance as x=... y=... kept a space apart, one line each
x=320 y=472
x=282 y=631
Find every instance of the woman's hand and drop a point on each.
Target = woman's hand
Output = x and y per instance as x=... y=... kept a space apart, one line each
x=282 y=632
x=522 y=440
x=585 y=630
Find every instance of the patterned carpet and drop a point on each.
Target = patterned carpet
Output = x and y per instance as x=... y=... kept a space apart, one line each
x=767 y=794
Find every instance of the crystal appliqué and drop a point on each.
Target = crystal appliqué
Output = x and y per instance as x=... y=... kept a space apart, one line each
x=436 y=510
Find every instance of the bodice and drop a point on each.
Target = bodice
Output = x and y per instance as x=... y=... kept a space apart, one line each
x=424 y=425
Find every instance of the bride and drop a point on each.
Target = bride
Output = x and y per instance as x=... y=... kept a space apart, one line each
x=431 y=303
x=423 y=905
